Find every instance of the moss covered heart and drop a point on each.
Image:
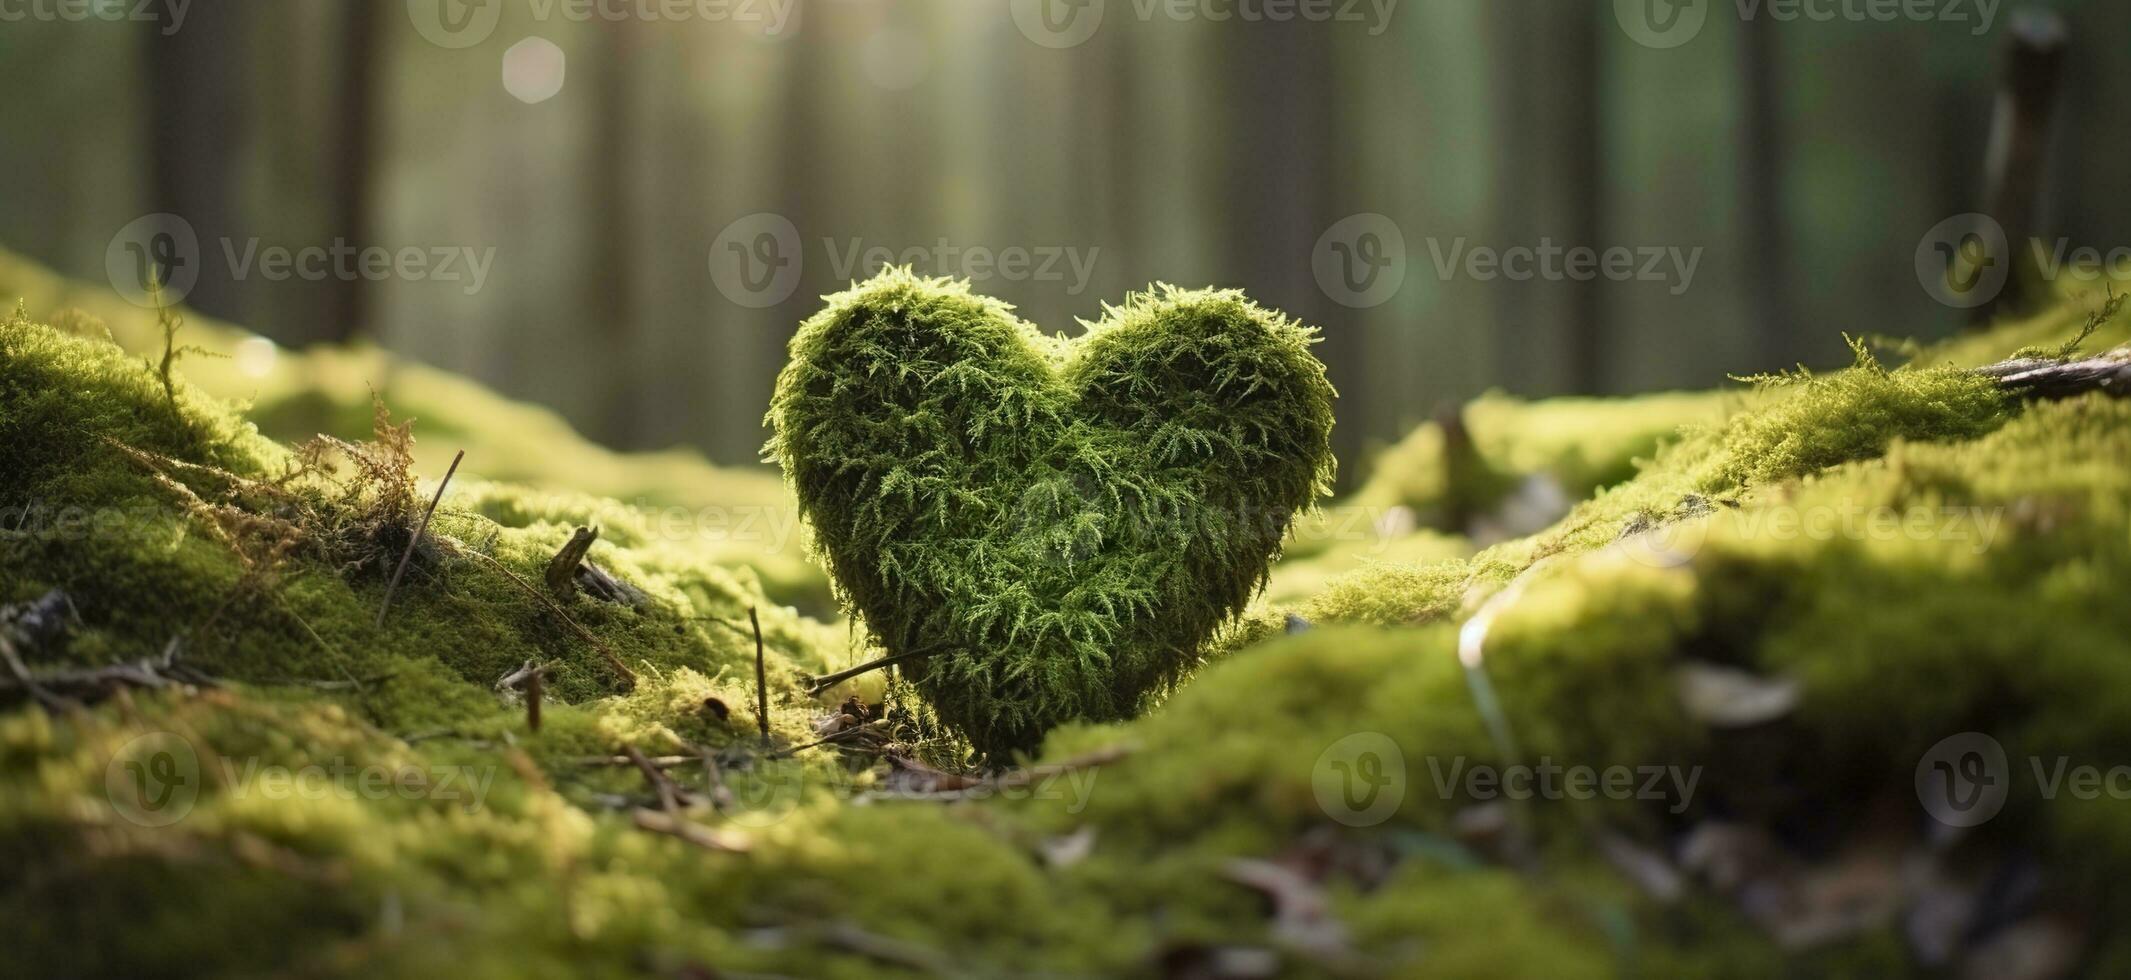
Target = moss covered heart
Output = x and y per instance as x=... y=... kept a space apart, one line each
x=1056 y=525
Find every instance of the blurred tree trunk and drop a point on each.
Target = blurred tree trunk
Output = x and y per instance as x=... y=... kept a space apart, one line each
x=610 y=262
x=1761 y=205
x=196 y=135
x=1551 y=176
x=1277 y=160
x=348 y=170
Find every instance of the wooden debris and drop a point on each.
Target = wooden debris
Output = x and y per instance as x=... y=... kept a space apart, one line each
x=571 y=570
x=2045 y=379
x=60 y=688
x=562 y=569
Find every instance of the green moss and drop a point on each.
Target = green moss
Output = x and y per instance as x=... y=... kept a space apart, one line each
x=124 y=536
x=738 y=517
x=1058 y=526
x=1993 y=604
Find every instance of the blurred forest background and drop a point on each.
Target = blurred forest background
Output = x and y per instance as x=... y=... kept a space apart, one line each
x=1804 y=158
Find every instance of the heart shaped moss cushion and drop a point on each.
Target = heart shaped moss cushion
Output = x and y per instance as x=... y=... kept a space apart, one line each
x=1058 y=525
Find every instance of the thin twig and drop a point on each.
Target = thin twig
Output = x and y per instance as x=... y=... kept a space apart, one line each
x=669 y=795
x=531 y=678
x=661 y=761
x=762 y=684
x=819 y=684
x=613 y=661
x=408 y=555
x=829 y=740
x=708 y=838
x=1016 y=779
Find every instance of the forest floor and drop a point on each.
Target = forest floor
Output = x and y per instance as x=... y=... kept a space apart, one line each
x=1663 y=686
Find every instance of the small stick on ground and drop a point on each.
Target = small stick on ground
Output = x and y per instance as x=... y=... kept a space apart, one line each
x=707 y=838
x=669 y=794
x=762 y=684
x=531 y=679
x=847 y=733
x=819 y=684
x=628 y=676
x=661 y=761
x=407 y=555
x=533 y=695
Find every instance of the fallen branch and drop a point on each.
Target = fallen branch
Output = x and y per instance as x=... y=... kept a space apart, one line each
x=23 y=677
x=2044 y=379
x=58 y=688
x=420 y=530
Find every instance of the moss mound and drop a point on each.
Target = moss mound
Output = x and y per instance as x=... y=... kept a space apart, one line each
x=1054 y=526
x=1769 y=629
